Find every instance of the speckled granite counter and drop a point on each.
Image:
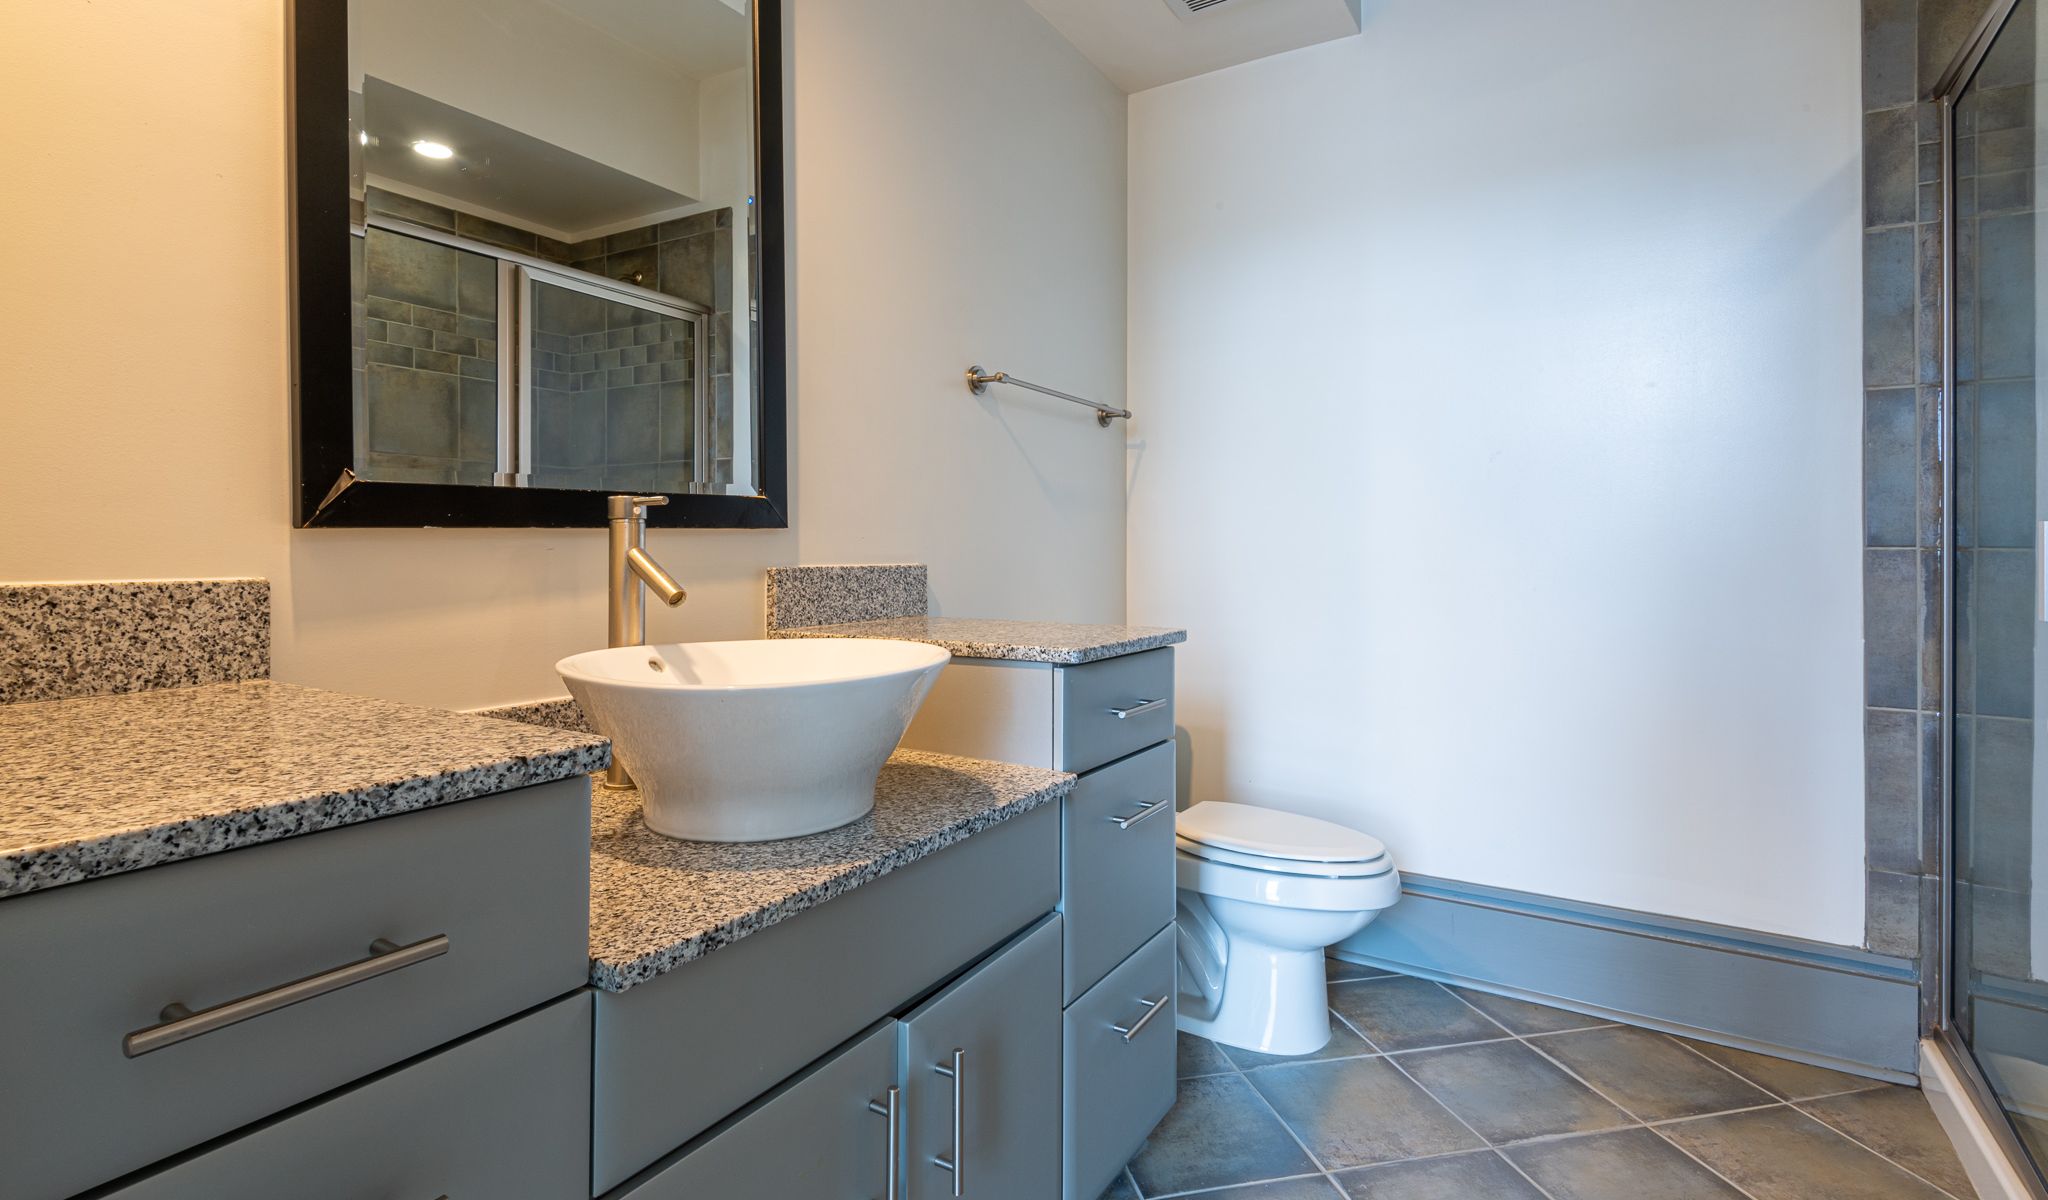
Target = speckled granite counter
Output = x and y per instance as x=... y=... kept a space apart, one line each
x=106 y=784
x=656 y=903
x=1023 y=641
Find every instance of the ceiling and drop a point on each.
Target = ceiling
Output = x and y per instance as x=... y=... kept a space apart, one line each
x=499 y=169
x=1142 y=44
x=694 y=38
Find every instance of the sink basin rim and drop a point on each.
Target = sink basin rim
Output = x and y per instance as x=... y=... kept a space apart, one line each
x=912 y=657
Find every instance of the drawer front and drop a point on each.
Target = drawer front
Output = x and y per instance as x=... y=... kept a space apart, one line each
x=1117 y=872
x=678 y=1054
x=504 y=1114
x=1118 y=1084
x=815 y=1136
x=1105 y=710
x=505 y=880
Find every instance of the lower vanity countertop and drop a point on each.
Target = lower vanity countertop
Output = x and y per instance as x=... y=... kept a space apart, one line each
x=1054 y=642
x=657 y=903
x=104 y=784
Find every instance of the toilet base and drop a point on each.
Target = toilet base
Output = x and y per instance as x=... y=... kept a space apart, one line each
x=1273 y=1001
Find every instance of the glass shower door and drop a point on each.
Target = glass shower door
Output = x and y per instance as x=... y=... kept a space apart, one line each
x=1998 y=937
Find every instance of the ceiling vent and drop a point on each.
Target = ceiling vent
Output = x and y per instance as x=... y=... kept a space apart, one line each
x=1188 y=10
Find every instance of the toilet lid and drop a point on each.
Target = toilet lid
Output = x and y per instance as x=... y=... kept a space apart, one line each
x=1284 y=866
x=1272 y=834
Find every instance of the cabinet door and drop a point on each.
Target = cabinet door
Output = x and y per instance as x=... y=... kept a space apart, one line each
x=824 y=1134
x=981 y=1075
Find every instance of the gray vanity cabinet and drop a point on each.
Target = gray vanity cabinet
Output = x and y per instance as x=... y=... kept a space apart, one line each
x=503 y=1114
x=981 y=1078
x=830 y=1131
x=1111 y=722
x=970 y=1077
x=338 y=954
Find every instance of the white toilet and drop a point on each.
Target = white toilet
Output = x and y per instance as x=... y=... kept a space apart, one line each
x=1262 y=894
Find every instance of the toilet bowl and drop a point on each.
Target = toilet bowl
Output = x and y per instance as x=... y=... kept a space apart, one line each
x=1263 y=893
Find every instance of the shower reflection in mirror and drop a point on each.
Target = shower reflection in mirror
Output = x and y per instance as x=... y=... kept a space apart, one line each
x=550 y=238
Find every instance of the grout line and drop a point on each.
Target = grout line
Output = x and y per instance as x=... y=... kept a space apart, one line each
x=1224 y=1187
x=1640 y=1123
x=1845 y=1134
x=1868 y=1084
x=1483 y=1139
x=1483 y=1014
x=1321 y=1167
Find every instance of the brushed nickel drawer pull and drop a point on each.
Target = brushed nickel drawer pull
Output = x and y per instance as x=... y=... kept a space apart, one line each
x=892 y=1109
x=957 y=1072
x=1143 y=812
x=1139 y=709
x=1130 y=1031
x=181 y=1023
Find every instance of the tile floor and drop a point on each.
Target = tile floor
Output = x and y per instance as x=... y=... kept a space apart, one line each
x=1434 y=1093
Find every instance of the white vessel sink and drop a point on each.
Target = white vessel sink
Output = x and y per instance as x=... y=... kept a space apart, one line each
x=754 y=741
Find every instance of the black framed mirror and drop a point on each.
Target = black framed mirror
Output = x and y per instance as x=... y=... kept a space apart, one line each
x=538 y=258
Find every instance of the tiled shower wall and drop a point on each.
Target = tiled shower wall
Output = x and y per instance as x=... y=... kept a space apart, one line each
x=689 y=258
x=615 y=388
x=1995 y=507
x=1906 y=45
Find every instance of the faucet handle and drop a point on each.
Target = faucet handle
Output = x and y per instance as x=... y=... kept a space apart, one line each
x=627 y=508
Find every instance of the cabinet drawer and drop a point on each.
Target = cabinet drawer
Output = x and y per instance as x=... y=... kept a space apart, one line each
x=814 y=1136
x=1105 y=710
x=504 y=1114
x=1117 y=871
x=505 y=880
x=1118 y=1084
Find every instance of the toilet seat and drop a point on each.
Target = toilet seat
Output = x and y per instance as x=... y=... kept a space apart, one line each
x=1285 y=866
x=1285 y=843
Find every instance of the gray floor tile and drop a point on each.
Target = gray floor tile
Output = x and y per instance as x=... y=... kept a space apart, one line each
x=1632 y=1164
x=1651 y=1075
x=1781 y=1076
x=1783 y=1154
x=1509 y=1092
x=1897 y=1123
x=1399 y=1013
x=1308 y=1187
x=1337 y=970
x=1122 y=1189
x=1200 y=1056
x=1343 y=1043
x=1218 y=1133
x=1524 y=1017
x=1356 y=1111
x=1453 y=1177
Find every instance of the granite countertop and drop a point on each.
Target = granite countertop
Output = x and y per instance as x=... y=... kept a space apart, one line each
x=656 y=903
x=1022 y=641
x=106 y=784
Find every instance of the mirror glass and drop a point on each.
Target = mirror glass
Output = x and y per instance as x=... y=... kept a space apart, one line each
x=552 y=243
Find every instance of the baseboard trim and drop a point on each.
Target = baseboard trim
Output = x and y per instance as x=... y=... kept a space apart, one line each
x=1832 y=1006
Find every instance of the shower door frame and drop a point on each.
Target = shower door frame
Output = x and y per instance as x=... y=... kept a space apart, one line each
x=1939 y=969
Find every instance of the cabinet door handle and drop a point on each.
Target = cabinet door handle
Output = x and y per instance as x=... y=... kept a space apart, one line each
x=1139 y=709
x=957 y=1072
x=181 y=1023
x=1130 y=1031
x=1143 y=812
x=892 y=1108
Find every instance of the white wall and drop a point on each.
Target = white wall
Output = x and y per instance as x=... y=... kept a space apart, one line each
x=143 y=413
x=1497 y=381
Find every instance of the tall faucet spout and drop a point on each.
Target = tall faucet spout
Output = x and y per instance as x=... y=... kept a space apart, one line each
x=659 y=581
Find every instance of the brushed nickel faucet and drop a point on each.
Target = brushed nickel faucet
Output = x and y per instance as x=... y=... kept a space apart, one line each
x=630 y=568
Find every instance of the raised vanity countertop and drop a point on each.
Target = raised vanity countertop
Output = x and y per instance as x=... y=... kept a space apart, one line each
x=106 y=784
x=1020 y=641
x=656 y=903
